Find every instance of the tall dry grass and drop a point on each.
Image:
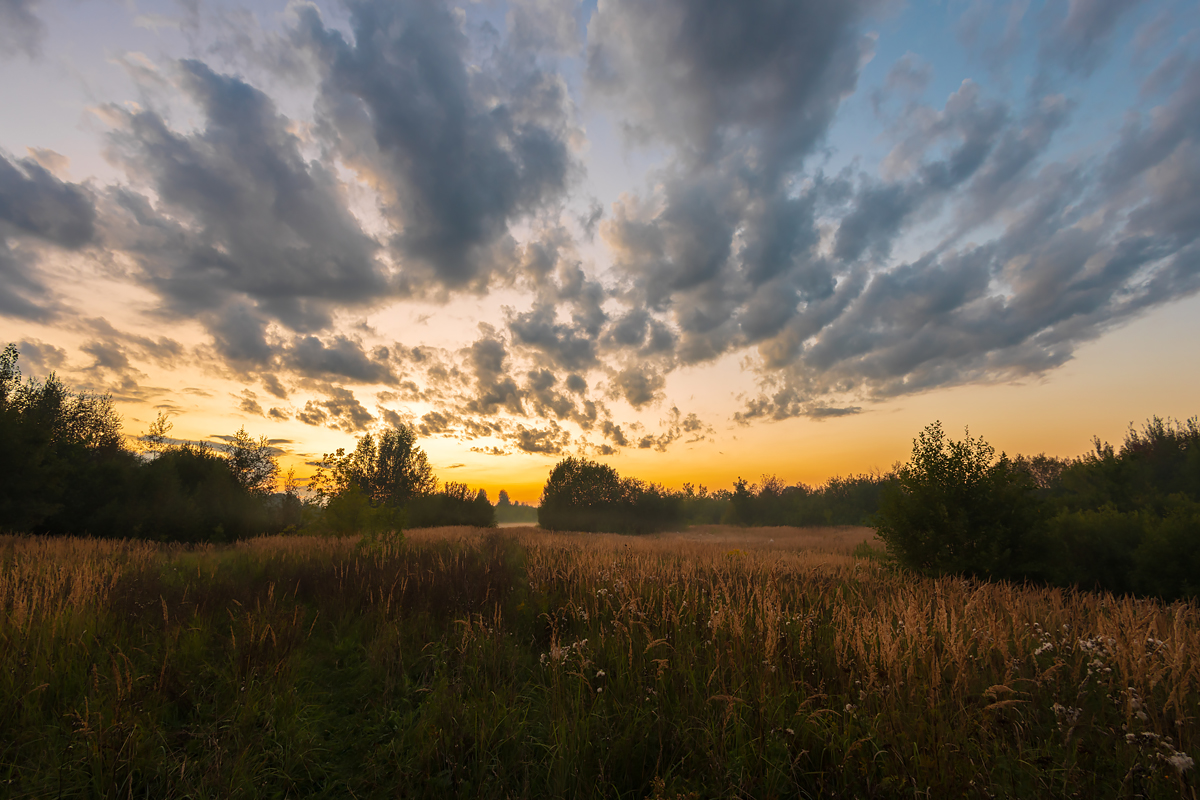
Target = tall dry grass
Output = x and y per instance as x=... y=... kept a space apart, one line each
x=717 y=662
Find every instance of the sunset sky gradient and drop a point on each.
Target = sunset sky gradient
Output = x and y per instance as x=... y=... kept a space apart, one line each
x=691 y=238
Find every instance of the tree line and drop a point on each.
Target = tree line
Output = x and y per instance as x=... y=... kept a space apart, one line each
x=1123 y=519
x=584 y=495
x=66 y=467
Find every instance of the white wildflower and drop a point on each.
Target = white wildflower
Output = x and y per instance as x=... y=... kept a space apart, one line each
x=1182 y=763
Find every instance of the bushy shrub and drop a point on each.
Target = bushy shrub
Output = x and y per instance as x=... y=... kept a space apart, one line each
x=957 y=509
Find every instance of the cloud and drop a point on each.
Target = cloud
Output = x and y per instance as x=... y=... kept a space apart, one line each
x=551 y=440
x=21 y=30
x=563 y=346
x=249 y=403
x=638 y=386
x=741 y=96
x=495 y=389
x=1077 y=41
x=992 y=32
x=544 y=25
x=341 y=410
x=441 y=159
x=39 y=359
x=457 y=153
x=909 y=77
x=340 y=357
x=37 y=209
x=244 y=229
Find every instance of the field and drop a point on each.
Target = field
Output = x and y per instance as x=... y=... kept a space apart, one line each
x=462 y=662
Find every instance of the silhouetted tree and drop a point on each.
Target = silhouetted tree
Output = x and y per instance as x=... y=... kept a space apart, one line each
x=253 y=463
x=585 y=495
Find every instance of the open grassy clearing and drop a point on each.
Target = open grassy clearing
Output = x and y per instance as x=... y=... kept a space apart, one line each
x=510 y=664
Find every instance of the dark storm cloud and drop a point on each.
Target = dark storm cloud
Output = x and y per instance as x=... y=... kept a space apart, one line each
x=244 y=229
x=37 y=208
x=563 y=345
x=340 y=410
x=21 y=30
x=458 y=153
x=551 y=440
x=339 y=357
x=495 y=389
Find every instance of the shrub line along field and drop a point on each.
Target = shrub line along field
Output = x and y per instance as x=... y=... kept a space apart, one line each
x=474 y=663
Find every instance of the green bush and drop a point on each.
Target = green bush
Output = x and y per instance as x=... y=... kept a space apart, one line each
x=956 y=509
x=1094 y=549
x=1167 y=562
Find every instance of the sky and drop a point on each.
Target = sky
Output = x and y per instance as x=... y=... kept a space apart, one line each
x=693 y=239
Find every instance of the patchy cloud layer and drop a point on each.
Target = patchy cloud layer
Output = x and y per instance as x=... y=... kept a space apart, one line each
x=281 y=186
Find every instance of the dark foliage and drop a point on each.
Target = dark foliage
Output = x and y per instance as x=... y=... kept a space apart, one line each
x=455 y=504
x=386 y=484
x=1125 y=521
x=65 y=468
x=583 y=495
x=956 y=509
x=853 y=500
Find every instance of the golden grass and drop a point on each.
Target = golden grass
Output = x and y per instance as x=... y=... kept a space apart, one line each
x=779 y=625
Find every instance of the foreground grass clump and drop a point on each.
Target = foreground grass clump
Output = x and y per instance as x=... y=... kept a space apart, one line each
x=472 y=663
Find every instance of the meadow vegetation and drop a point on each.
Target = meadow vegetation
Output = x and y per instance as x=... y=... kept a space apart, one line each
x=463 y=662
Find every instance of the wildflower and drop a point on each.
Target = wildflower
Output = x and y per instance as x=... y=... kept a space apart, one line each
x=1182 y=763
